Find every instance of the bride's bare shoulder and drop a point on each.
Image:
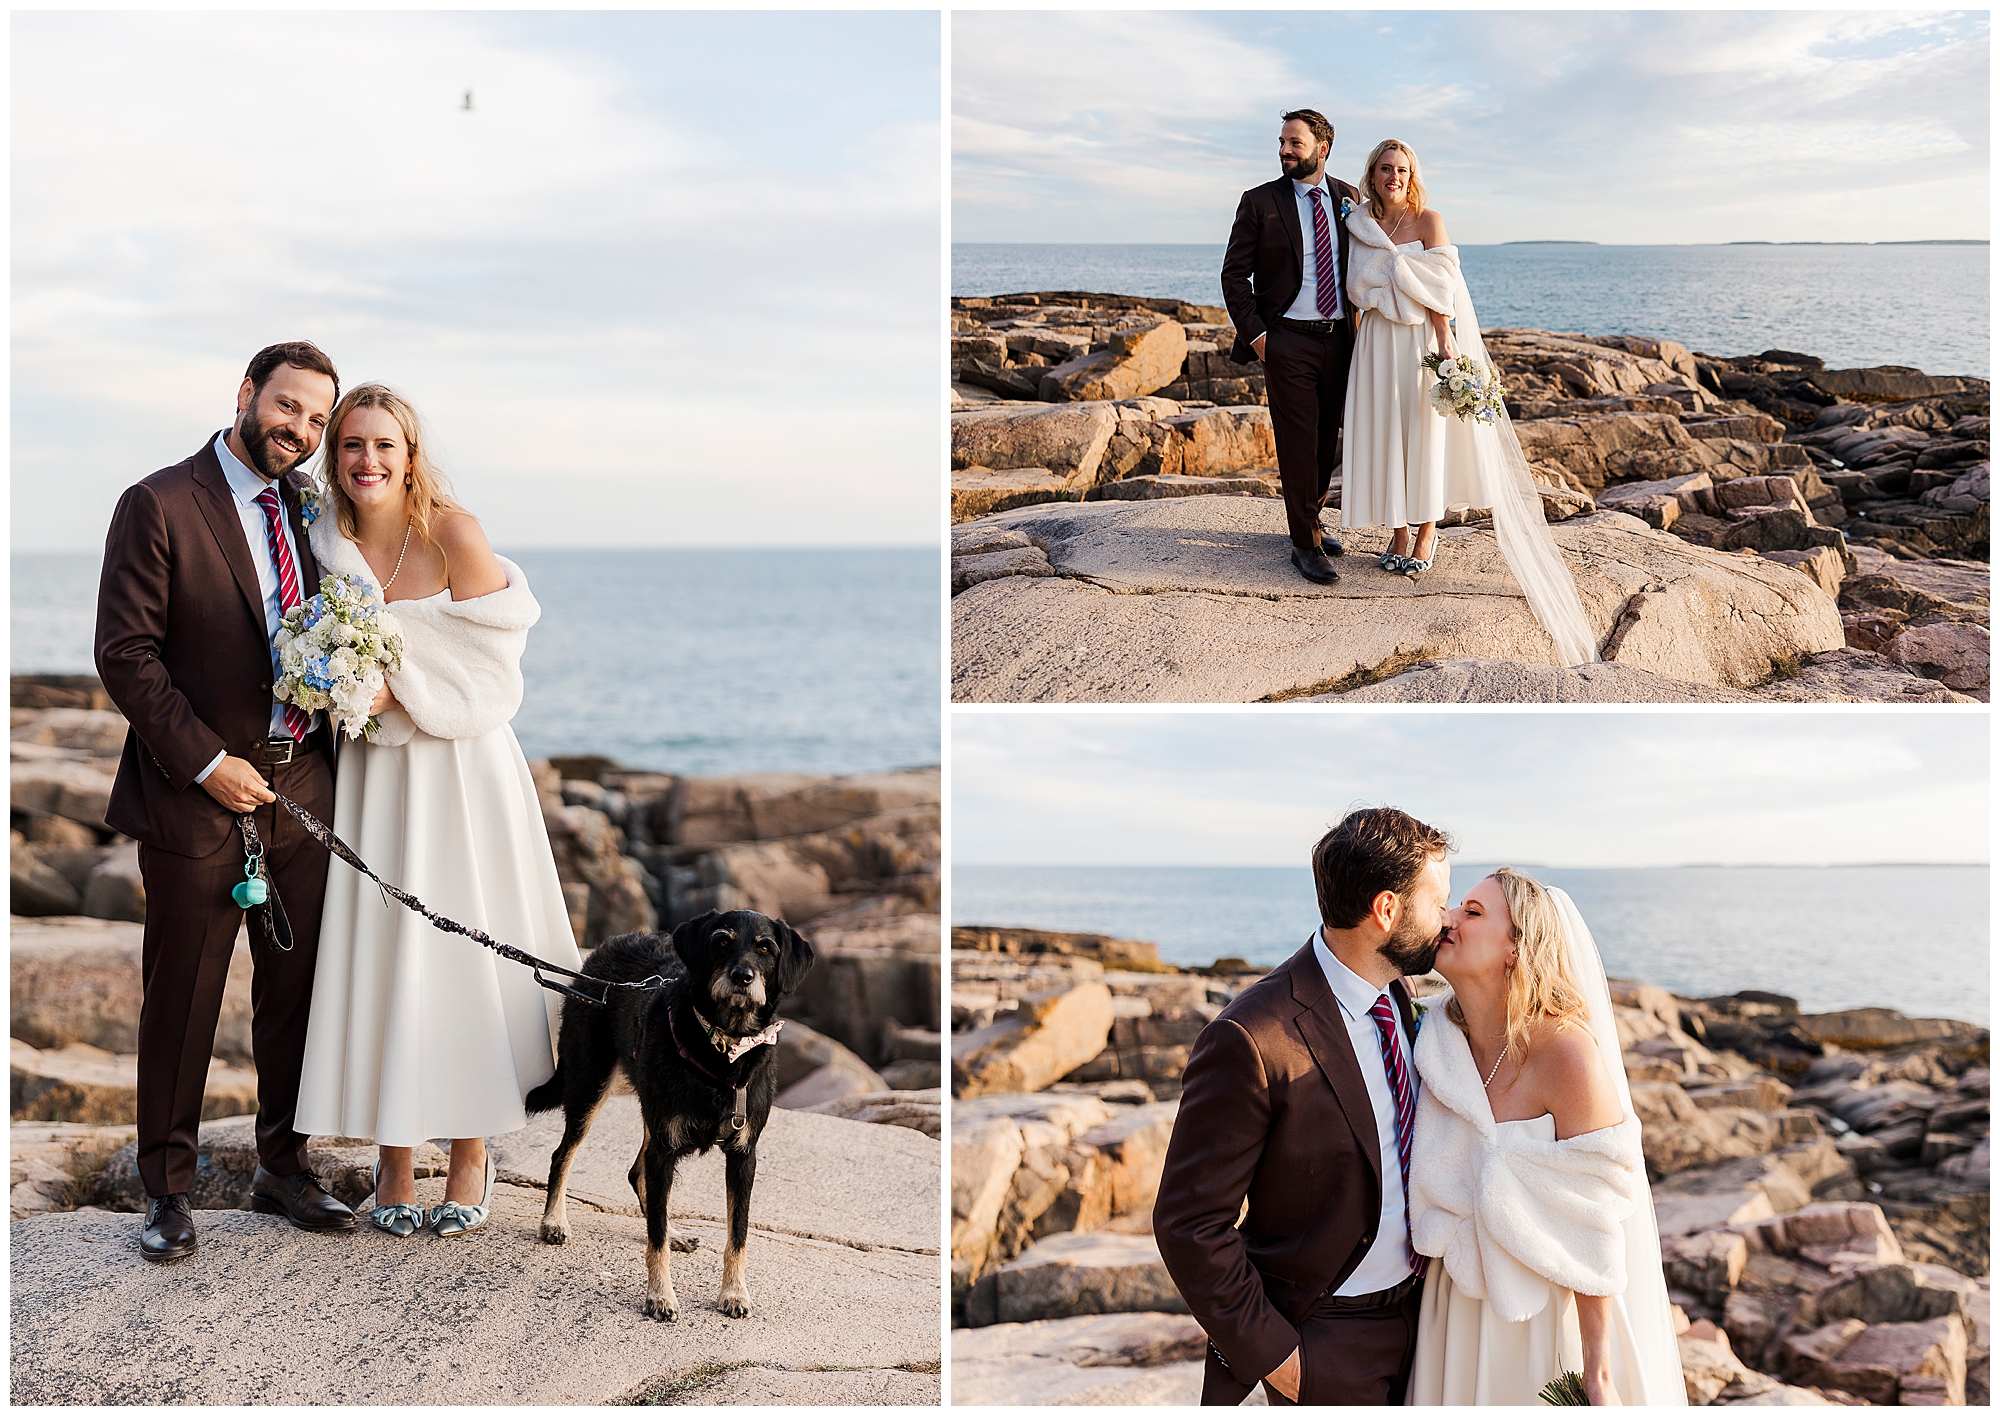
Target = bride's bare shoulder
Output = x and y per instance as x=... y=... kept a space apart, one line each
x=1568 y=1075
x=1430 y=228
x=471 y=568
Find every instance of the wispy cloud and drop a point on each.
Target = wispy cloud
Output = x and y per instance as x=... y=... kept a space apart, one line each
x=1616 y=126
x=636 y=312
x=1575 y=789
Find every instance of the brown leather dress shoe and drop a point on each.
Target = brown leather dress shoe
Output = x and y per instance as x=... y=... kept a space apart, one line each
x=299 y=1198
x=169 y=1232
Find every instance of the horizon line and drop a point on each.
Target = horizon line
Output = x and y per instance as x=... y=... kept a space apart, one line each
x=509 y=548
x=1546 y=241
x=1525 y=865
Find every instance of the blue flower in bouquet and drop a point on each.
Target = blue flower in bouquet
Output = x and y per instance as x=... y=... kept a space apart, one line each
x=336 y=651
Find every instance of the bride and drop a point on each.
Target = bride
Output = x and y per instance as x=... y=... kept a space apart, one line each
x=1526 y=1179
x=1405 y=462
x=415 y=1033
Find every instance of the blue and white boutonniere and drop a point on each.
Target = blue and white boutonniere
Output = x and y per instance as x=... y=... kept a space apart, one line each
x=1346 y=205
x=309 y=507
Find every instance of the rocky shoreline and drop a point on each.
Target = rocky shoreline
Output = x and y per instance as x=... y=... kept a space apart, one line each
x=1741 y=529
x=851 y=1159
x=1822 y=1182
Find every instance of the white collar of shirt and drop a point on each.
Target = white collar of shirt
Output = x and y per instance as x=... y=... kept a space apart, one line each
x=245 y=483
x=1356 y=994
x=1302 y=189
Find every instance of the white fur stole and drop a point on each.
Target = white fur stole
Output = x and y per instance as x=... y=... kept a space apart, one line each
x=461 y=674
x=1401 y=286
x=1510 y=1214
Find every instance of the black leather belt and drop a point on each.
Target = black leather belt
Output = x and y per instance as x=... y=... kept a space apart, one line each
x=1309 y=326
x=277 y=751
x=1365 y=1302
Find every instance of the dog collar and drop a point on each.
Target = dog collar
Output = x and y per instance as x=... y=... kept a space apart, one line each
x=732 y=1047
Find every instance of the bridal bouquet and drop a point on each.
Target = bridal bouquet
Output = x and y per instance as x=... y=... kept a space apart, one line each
x=1466 y=389
x=336 y=650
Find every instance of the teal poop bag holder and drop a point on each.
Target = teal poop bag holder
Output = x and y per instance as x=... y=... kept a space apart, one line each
x=257 y=893
x=252 y=890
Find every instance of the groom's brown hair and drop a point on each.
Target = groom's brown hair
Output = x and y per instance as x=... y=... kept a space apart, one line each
x=1375 y=849
x=1322 y=130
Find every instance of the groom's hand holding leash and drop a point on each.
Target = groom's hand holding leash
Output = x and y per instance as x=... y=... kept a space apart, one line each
x=1285 y=1381
x=238 y=786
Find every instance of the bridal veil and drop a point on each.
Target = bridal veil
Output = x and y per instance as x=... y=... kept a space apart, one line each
x=1402 y=286
x=1646 y=1304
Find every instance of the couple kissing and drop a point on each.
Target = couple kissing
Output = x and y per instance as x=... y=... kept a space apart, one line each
x=1366 y=1202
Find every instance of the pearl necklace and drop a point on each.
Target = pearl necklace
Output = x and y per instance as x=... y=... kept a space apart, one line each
x=410 y=526
x=1496 y=1065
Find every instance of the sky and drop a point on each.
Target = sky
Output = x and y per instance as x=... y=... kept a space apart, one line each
x=1824 y=786
x=673 y=281
x=1631 y=127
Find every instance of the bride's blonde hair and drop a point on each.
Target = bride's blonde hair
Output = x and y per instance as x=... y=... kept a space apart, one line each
x=1540 y=985
x=430 y=493
x=1417 y=194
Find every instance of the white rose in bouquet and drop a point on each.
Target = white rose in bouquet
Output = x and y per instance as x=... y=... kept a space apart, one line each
x=336 y=651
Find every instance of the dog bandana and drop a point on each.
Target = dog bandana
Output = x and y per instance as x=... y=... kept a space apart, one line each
x=732 y=1048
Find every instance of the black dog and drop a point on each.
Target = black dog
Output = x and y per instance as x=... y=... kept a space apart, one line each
x=725 y=985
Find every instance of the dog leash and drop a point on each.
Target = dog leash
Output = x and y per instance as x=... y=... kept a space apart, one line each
x=263 y=903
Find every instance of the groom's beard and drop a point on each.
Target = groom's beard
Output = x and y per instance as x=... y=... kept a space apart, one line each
x=1412 y=949
x=266 y=456
x=1300 y=169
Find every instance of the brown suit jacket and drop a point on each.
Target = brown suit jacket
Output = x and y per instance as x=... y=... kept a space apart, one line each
x=1274 y=1107
x=1264 y=265
x=182 y=649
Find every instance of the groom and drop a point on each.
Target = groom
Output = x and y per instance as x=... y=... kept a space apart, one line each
x=201 y=562
x=1301 y=1096
x=1281 y=279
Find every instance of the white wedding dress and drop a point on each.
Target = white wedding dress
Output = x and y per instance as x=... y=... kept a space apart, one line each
x=416 y=1034
x=1404 y=462
x=1517 y=1223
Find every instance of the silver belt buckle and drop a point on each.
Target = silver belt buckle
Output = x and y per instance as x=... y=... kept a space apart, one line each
x=274 y=747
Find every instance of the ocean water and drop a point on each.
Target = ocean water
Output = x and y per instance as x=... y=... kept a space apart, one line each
x=1926 y=307
x=1907 y=937
x=701 y=662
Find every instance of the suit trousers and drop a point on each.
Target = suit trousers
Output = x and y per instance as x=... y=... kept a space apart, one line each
x=191 y=928
x=1305 y=378
x=1346 y=1358
x=1357 y=1359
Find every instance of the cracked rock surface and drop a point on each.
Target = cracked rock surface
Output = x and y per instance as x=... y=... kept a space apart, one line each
x=1194 y=600
x=842 y=1263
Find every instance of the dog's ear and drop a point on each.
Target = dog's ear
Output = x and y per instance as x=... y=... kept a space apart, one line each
x=795 y=957
x=691 y=942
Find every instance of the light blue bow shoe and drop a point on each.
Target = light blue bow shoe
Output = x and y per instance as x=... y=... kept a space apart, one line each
x=399 y=1220
x=452 y=1218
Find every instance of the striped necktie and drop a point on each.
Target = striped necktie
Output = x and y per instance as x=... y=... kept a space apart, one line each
x=1326 y=280
x=296 y=720
x=1384 y=1014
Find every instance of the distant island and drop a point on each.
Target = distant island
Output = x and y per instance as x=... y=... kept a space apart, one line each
x=1858 y=243
x=1549 y=243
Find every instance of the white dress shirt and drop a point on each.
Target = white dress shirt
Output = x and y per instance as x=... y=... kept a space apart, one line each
x=1306 y=307
x=1387 y=1262
x=245 y=485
